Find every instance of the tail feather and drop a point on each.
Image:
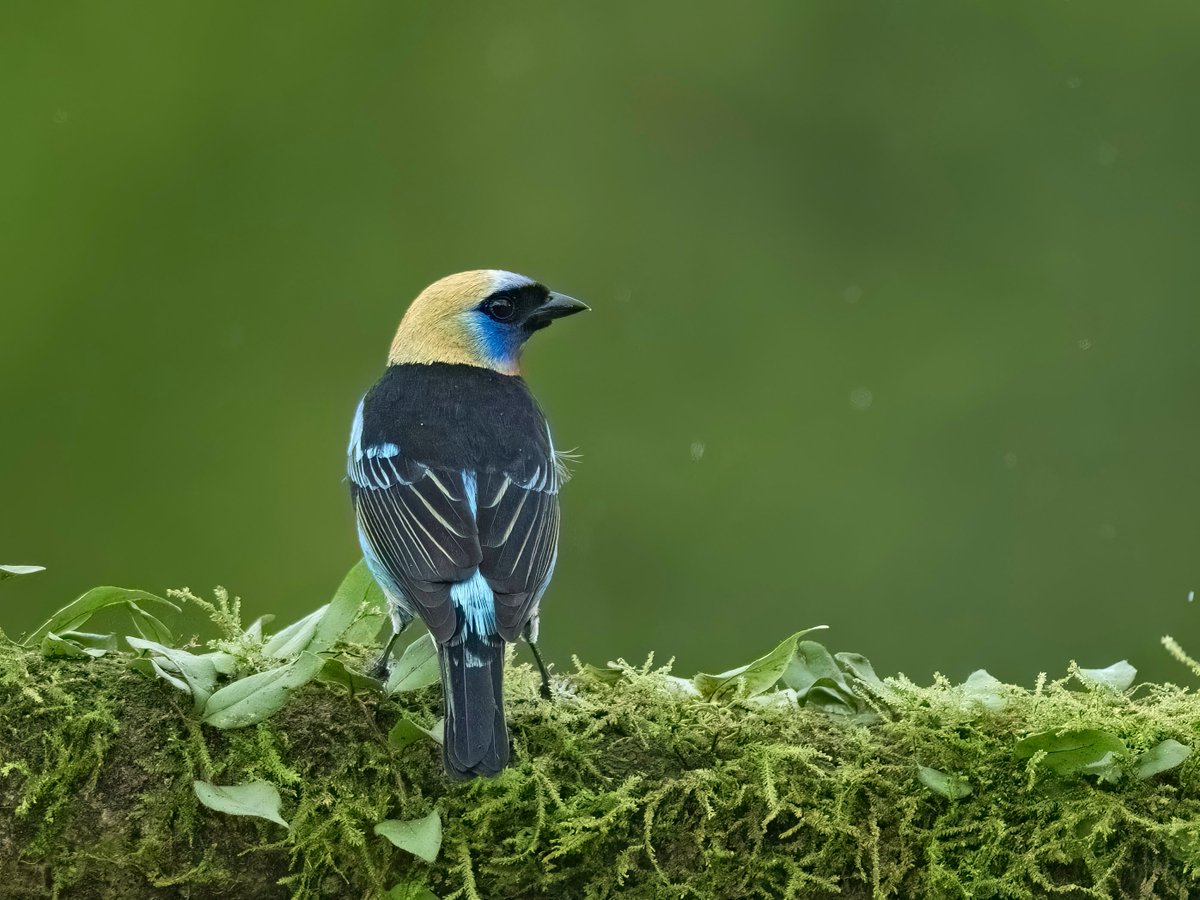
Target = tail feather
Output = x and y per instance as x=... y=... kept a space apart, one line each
x=476 y=738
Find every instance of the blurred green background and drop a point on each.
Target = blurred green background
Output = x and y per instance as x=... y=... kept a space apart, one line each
x=895 y=307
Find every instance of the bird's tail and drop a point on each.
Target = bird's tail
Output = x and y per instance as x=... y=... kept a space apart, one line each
x=476 y=739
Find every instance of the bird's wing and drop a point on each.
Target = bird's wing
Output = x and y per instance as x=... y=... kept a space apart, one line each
x=419 y=523
x=518 y=522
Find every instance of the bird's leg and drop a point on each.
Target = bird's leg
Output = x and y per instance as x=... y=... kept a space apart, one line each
x=546 y=695
x=401 y=618
x=380 y=667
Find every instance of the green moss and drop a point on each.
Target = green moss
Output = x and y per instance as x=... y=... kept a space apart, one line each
x=631 y=790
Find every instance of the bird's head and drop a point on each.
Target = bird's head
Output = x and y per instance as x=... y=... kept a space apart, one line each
x=480 y=318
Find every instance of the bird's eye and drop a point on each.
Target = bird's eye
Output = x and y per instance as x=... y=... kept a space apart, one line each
x=500 y=308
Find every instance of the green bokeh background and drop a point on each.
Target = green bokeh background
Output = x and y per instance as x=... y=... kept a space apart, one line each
x=916 y=283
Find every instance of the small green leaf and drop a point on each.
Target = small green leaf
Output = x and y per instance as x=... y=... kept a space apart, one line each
x=150 y=626
x=420 y=837
x=335 y=671
x=406 y=732
x=60 y=647
x=860 y=668
x=410 y=890
x=362 y=590
x=357 y=588
x=194 y=674
x=76 y=613
x=608 y=675
x=1107 y=768
x=758 y=676
x=1160 y=758
x=254 y=798
x=255 y=630
x=254 y=698
x=835 y=699
x=160 y=668
x=87 y=640
x=224 y=663
x=198 y=673
x=1117 y=677
x=983 y=689
x=142 y=664
x=416 y=668
x=290 y=642
x=78 y=645
x=343 y=618
x=950 y=786
x=1075 y=751
x=13 y=571
x=813 y=666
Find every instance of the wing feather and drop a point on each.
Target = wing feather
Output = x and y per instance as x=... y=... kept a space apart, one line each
x=419 y=523
x=518 y=533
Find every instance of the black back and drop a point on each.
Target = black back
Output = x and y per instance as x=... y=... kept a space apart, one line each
x=451 y=416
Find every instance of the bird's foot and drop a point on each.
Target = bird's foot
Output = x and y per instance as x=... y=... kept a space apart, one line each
x=380 y=669
x=542 y=670
x=382 y=663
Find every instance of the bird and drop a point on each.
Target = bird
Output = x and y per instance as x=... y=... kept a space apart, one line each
x=454 y=481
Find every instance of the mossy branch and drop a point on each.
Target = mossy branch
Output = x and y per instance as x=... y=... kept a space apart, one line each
x=626 y=785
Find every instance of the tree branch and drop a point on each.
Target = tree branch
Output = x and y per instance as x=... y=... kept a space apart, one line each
x=619 y=788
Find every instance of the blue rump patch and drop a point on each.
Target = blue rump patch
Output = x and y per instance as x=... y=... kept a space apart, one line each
x=474 y=597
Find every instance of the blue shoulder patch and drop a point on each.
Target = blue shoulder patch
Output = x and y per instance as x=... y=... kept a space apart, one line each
x=383 y=451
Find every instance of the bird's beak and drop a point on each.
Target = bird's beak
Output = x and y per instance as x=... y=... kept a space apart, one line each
x=559 y=305
x=556 y=306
